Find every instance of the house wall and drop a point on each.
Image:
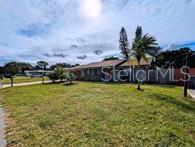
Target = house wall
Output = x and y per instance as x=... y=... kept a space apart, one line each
x=156 y=76
x=93 y=74
x=121 y=74
x=160 y=76
x=171 y=76
x=178 y=75
x=192 y=82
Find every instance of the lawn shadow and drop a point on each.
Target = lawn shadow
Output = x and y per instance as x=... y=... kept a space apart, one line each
x=131 y=83
x=107 y=83
x=168 y=86
x=163 y=85
x=68 y=84
x=140 y=90
x=54 y=83
x=190 y=106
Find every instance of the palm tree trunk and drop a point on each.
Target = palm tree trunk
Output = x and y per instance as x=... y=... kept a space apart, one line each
x=138 y=85
x=43 y=80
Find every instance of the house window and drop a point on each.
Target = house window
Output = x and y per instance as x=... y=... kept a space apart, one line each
x=95 y=72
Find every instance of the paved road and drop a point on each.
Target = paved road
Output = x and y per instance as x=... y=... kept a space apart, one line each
x=191 y=92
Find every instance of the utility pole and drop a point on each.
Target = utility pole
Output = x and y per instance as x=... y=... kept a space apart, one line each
x=186 y=82
x=186 y=78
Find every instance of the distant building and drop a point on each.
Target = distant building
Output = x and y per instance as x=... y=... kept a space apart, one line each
x=36 y=73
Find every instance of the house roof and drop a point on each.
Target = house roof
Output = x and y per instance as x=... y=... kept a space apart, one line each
x=109 y=63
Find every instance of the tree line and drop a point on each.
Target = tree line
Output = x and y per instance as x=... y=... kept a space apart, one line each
x=14 y=67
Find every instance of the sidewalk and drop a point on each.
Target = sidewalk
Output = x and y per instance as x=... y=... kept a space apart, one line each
x=191 y=92
x=23 y=84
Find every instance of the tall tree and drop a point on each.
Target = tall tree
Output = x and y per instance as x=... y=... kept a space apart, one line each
x=143 y=45
x=176 y=57
x=1 y=70
x=123 y=43
x=64 y=65
x=12 y=68
x=42 y=64
x=110 y=58
x=25 y=66
x=16 y=67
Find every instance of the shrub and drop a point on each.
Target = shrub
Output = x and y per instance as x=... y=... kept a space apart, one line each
x=53 y=76
x=61 y=74
x=70 y=77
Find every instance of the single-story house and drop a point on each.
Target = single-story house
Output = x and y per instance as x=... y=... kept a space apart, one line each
x=109 y=71
x=106 y=70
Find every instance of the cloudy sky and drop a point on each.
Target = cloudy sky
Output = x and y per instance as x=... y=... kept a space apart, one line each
x=82 y=31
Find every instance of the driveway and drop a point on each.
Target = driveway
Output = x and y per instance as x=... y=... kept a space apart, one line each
x=191 y=92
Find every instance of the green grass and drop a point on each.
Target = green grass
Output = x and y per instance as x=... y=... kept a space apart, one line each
x=23 y=79
x=96 y=114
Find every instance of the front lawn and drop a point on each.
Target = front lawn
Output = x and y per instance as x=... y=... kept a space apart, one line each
x=23 y=79
x=89 y=114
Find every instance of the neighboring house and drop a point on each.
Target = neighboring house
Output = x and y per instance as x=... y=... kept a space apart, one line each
x=35 y=73
x=105 y=70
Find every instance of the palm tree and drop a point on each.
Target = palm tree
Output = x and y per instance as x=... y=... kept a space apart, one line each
x=142 y=46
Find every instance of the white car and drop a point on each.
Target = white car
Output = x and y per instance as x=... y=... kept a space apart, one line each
x=36 y=75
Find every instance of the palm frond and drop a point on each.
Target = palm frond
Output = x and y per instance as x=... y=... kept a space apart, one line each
x=143 y=45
